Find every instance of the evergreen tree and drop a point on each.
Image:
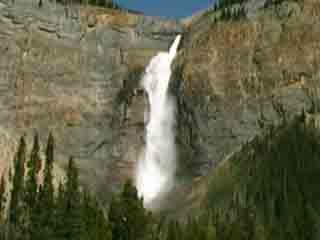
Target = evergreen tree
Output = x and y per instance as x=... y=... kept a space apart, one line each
x=117 y=220
x=45 y=204
x=60 y=225
x=31 y=188
x=211 y=230
x=40 y=214
x=173 y=231
x=136 y=217
x=2 y=198
x=48 y=178
x=2 y=206
x=73 y=218
x=96 y=226
x=129 y=219
x=31 y=180
x=16 y=207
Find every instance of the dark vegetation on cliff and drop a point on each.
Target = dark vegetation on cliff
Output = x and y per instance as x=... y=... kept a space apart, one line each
x=100 y=3
x=235 y=10
x=33 y=210
x=274 y=178
x=266 y=190
x=111 y=4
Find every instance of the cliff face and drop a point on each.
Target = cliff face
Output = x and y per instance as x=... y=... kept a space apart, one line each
x=75 y=72
x=231 y=73
x=233 y=78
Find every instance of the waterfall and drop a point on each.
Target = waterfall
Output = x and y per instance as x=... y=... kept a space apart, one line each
x=157 y=165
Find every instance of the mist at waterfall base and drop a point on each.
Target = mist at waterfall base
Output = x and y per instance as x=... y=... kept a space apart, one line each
x=157 y=164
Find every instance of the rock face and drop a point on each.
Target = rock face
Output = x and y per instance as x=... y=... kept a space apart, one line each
x=232 y=78
x=75 y=72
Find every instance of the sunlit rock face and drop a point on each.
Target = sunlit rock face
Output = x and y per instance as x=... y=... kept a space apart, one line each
x=156 y=168
x=222 y=92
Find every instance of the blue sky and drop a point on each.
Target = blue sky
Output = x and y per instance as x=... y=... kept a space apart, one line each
x=168 y=8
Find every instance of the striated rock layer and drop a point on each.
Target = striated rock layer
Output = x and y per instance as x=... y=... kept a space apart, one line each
x=75 y=72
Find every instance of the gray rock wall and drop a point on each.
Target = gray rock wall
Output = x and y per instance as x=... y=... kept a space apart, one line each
x=75 y=72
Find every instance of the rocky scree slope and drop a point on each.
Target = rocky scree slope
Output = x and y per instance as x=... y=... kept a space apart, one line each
x=75 y=71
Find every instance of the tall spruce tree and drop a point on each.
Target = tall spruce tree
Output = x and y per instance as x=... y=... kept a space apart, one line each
x=31 y=188
x=172 y=231
x=60 y=226
x=2 y=198
x=18 y=183
x=116 y=218
x=31 y=180
x=45 y=206
x=48 y=190
x=96 y=225
x=73 y=203
x=129 y=219
x=2 y=206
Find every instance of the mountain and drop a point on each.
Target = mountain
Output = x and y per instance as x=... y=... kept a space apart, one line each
x=240 y=69
x=75 y=71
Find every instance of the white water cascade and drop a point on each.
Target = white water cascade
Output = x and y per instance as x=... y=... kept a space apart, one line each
x=157 y=165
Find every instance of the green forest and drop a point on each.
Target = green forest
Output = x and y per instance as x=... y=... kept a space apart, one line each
x=264 y=189
x=268 y=190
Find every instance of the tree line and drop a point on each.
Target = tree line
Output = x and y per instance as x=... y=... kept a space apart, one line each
x=35 y=208
x=268 y=191
x=101 y=3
